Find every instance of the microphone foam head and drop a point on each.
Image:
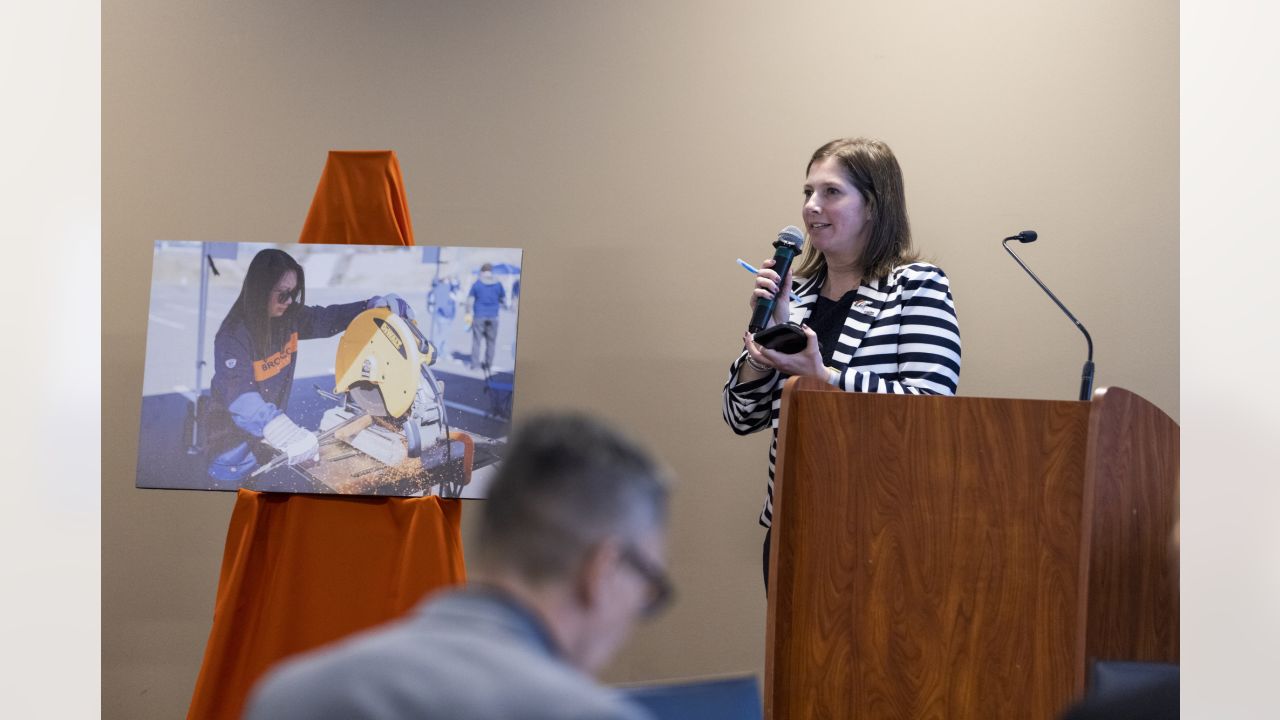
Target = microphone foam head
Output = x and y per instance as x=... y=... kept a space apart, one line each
x=792 y=234
x=1027 y=236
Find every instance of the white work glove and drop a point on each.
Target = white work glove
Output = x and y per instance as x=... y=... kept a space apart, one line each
x=298 y=443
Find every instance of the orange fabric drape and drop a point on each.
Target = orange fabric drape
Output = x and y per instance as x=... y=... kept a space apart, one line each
x=299 y=571
x=360 y=201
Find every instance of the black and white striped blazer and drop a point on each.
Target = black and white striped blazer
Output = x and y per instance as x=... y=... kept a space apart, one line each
x=901 y=337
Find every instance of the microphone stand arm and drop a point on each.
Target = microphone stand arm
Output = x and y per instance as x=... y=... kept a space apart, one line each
x=1086 y=375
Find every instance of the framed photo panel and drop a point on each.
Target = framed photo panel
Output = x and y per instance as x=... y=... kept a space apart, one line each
x=358 y=370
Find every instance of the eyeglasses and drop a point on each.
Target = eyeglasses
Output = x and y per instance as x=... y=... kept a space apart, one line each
x=288 y=296
x=661 y=590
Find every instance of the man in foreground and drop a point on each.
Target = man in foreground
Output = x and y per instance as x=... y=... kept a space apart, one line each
x=569 y=554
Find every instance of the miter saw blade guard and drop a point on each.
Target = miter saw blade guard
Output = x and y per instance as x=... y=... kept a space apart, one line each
x=383 y=366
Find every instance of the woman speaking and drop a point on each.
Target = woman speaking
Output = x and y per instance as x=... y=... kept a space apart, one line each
x=875 y=317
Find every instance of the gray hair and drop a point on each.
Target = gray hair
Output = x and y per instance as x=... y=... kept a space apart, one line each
x=568 y=481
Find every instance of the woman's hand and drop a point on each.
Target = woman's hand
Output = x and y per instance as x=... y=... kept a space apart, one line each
x=397 y=305
x=807 y=362
x=768 y=285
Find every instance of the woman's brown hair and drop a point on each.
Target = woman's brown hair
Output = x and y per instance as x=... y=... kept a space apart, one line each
x=870 y=166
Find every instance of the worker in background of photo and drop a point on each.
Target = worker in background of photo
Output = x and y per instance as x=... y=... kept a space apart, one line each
x=255 y=352
x=486 y=298
x=442 y=301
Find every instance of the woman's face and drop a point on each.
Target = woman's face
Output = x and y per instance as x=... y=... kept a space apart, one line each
x=835 y=215
x=283 y=294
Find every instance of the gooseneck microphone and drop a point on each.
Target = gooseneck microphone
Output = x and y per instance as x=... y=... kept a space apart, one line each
x=1086 y=376
x=788 y=245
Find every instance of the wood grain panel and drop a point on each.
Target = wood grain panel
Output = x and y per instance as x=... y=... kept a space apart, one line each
x=1132 y=476
x=927 y=556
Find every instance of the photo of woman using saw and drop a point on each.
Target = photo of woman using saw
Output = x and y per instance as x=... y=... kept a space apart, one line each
x=255 y=353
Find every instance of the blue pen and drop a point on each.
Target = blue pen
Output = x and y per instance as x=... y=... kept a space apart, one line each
x=747 y=266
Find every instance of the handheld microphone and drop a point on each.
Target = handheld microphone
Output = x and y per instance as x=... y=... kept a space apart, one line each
x=1086 y=375
x=788 y=245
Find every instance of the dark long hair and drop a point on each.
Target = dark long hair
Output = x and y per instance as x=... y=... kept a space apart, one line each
x=265 y=270
x=870 y=166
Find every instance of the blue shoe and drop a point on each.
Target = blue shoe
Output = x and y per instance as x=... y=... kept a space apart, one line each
x=233 y=465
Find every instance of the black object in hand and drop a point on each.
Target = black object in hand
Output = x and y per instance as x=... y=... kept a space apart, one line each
x=786 y=338
x=788 y=245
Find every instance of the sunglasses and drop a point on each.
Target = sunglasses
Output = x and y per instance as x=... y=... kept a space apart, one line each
x=661 y=591
x=288 y=296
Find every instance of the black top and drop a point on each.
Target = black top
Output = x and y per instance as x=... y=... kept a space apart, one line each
x=827 y=319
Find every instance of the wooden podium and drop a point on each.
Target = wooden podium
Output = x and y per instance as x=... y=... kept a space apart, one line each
x=937 y=557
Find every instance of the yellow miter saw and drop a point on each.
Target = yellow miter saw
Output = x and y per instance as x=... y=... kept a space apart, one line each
x=383 y=370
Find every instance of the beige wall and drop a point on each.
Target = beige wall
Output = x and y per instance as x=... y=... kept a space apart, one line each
x=634 y=151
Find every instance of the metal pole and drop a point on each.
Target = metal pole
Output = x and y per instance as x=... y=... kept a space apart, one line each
x=194 y=444
x=200 y=317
